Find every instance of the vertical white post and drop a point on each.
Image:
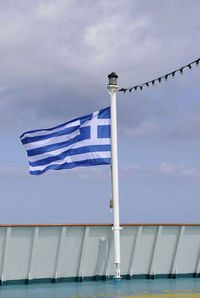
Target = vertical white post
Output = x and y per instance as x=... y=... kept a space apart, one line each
x=60 y=245
x=33 y=253
x=82 y=266
x=152 y=270
x=5 y=254
x=135 y=252
x=177 y=251
x=112 y=88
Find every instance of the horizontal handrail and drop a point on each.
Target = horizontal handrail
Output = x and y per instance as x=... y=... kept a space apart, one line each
x=99 y=225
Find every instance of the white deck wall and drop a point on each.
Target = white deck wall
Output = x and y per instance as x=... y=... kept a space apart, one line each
x=35 y=252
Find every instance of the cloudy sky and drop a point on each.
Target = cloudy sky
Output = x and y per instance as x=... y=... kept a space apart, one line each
x=54 y=60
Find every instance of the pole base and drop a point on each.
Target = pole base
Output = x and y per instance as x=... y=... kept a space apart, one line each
x=117 y=279
x=117 y=276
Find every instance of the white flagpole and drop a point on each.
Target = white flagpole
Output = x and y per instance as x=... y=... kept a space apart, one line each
x=112 y=89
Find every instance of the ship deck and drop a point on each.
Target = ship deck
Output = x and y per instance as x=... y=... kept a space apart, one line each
x=158 y=288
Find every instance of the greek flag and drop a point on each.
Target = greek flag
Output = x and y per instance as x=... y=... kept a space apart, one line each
x=84 y=141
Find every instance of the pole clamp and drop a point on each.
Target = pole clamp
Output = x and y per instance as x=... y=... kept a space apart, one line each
x=116 y=228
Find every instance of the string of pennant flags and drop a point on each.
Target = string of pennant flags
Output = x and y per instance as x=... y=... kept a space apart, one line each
x=161 y=78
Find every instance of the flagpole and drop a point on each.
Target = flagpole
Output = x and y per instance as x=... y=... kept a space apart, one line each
x=112 y=89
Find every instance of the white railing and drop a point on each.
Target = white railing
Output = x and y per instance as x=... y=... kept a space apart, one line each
x=30 y=252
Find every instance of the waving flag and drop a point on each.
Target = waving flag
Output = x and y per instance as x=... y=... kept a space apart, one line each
x=84 y=141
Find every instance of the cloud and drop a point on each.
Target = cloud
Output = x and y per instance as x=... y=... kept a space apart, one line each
x=90 y=174
x=102 y=173
x=48 y=10
x=54 y=58
x=171 y=169
x=139 y=173
x=187 y=127
x=143 y=129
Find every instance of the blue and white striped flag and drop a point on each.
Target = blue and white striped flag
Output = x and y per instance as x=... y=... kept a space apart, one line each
x=84 y=141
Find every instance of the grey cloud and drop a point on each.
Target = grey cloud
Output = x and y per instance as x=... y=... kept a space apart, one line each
x=56 y=55
x=144 y=129
x=187 y=127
